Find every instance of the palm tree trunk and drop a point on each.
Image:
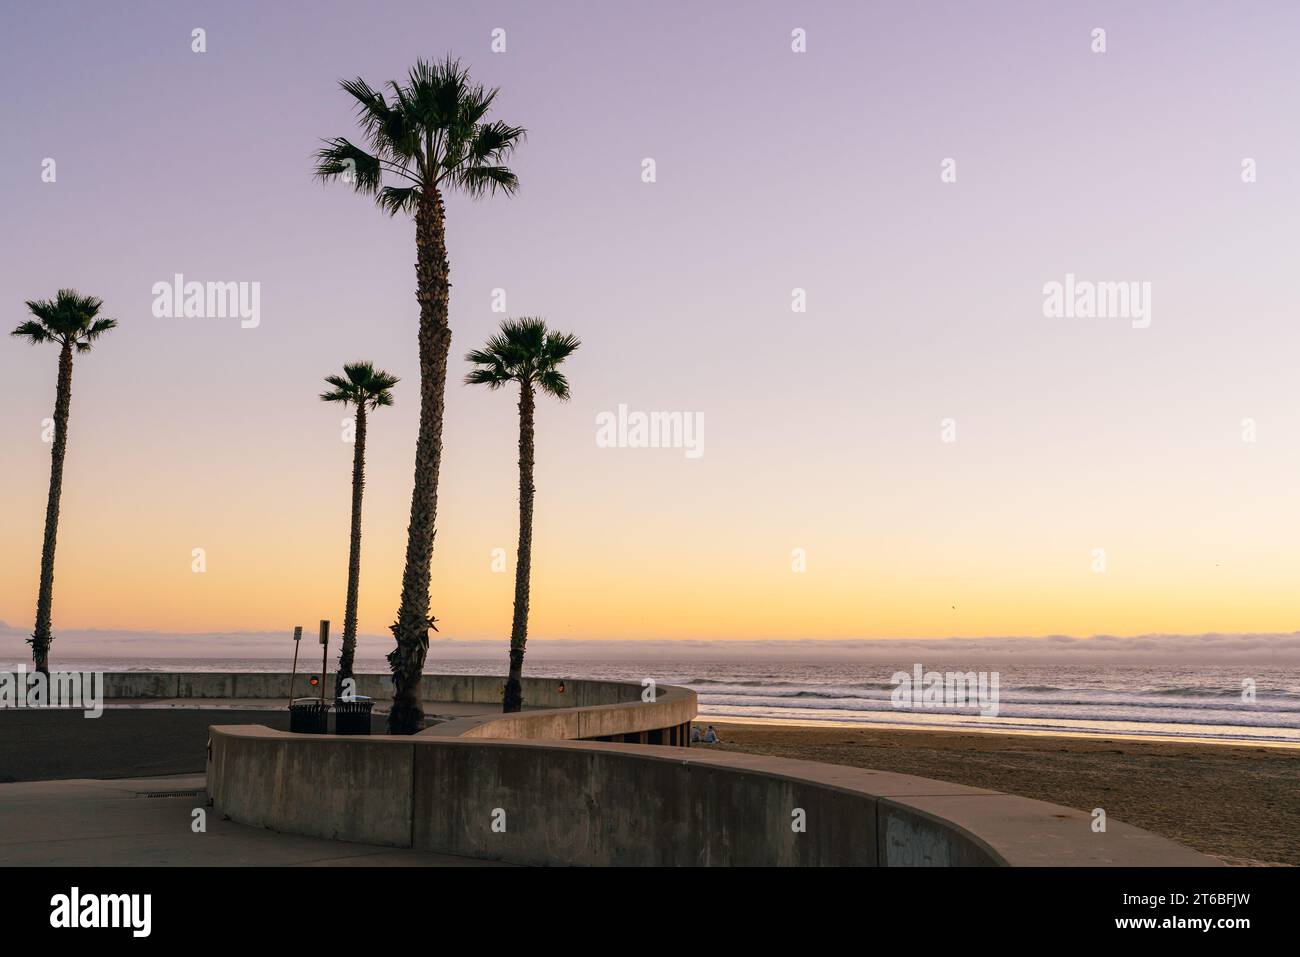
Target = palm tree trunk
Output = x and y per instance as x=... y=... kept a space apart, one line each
x=413 y=621
x=348 y=651
x=514 y=694
x=41 y=636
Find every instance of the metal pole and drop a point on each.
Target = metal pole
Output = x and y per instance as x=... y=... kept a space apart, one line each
x=324 y=656
x=297 y=637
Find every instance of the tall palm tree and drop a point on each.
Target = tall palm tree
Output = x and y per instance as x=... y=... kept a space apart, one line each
x=72 y=321
x=366 y=388
x=427 y=136
x=526 y=352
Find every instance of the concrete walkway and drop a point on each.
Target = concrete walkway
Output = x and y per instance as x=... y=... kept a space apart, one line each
x=148 y=822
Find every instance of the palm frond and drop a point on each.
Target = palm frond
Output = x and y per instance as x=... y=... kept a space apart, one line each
x=480 y=181
x=558 y=347
x=97 y=329
x=359 y=373
x=46 y=310
x=383 y=381
x=473 y=105
x=492 y=376
x=373 y=113
x=554 y=383
x=394 y=199
x=523 y=350
x=435 y=92
x=344 y=390
x=429 y=131
x=361 y=382
x=495 y=141
x=71 y=302
x=33 y=331
x=340 y=158
x=69 y=317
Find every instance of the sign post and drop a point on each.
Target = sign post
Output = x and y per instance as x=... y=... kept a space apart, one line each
x=324 y=656
x=297 y=637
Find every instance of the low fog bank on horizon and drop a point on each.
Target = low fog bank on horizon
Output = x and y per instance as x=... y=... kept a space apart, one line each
x=1276 y=649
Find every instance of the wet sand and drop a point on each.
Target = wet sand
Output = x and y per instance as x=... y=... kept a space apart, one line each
x=1240 y=803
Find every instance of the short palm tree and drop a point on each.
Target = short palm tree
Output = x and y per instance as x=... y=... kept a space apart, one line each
x=366 y=388
x=527 y=353
x=71 y=321
x=428 y=136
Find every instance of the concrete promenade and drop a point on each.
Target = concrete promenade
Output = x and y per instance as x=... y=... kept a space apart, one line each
x=149 y=822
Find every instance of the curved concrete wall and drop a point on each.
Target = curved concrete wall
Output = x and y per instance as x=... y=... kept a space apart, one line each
x=482 y=689
x=628 y=717
x=571 y=708
x=590 y=803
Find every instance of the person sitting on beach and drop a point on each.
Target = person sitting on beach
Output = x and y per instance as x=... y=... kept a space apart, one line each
x=711 y=736
x=695 y=734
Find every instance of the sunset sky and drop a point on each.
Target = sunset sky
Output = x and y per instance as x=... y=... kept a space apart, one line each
x=775 y=170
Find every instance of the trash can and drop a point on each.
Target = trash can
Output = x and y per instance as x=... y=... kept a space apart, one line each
x=309 y=716
x=353 y=717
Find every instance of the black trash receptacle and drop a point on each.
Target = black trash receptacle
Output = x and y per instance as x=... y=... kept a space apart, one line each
x=309 y=716
x=353 y=717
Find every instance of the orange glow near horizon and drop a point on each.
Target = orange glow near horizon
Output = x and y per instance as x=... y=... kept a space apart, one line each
x=614 y=557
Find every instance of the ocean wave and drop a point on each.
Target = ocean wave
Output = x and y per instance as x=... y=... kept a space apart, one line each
x=1202 y=692
x=1079 y=699
x=1254 y=715
x=766 y=683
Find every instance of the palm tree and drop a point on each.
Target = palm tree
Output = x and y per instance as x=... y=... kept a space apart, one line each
x=426 y=137
x=526 y=352
x=363 y=386
x=71 y=320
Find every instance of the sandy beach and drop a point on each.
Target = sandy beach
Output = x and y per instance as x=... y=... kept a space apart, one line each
x=1238 y=803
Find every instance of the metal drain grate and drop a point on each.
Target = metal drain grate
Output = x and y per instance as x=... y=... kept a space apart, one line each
x=172 y=794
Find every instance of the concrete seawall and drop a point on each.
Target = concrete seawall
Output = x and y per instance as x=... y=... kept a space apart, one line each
x=597 y=803
x=596 y=710
x=570 y=709
x=484 y=689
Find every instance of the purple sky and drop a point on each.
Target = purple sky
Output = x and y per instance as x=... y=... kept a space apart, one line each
x=775 y=170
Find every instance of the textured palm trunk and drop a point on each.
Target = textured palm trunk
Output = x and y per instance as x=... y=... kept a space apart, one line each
x=348 y=651
x=41 y=636
x=514 y=693
x=411 y=630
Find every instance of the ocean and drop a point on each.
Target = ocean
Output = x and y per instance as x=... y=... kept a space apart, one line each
x=1156 y=701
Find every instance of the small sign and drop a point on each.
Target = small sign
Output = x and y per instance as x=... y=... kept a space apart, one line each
x=324 y=632
x=297 y=633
